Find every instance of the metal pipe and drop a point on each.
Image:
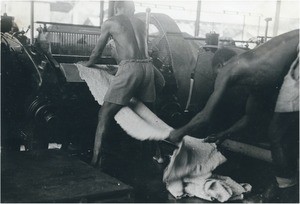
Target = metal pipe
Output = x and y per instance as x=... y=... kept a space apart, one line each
x=242 y=148
x=32 y=22
x=248 y=150
x=267 y=27
x=66 y=24
x=148 y=16
x=197 y=22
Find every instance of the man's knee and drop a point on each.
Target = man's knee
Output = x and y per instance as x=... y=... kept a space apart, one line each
x=108 y=110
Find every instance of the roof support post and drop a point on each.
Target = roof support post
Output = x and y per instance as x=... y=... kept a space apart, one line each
x=31 y=22
x=101 y=16
x=111 y=5
x=197 y=22
x=276 y=20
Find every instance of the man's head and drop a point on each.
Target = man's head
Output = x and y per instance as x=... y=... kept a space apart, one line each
x=222 y=56
x=124 y=7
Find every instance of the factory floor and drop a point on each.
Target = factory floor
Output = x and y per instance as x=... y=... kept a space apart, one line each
x=132 y=163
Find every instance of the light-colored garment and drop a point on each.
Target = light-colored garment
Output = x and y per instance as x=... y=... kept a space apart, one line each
x=138 y=78
x=135 y=78
x=190 y=173
x=288 y=97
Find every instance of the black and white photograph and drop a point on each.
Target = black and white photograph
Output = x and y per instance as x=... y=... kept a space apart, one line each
x=139 y=101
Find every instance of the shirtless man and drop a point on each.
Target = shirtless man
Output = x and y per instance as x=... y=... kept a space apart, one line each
x=261 y=71
x=135 y=75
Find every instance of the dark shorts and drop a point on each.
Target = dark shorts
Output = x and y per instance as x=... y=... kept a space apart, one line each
x=135 y=78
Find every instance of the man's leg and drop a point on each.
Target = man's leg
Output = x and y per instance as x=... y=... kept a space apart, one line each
x=158 y=152
x=106 y=115
x=283 y=135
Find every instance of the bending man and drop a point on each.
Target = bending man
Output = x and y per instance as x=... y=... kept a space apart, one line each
x=261 y=71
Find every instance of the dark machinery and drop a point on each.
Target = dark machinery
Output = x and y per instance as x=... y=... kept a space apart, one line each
x=38 y=104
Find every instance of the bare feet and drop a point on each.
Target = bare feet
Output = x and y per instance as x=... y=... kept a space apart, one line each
x=158 y=159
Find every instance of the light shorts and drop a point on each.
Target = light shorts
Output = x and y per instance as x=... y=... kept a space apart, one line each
x=135 y=78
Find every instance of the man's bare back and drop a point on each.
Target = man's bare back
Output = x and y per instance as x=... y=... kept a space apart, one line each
x=129 y=37
x=264 y=66
x=260 y=70
x=128 y=34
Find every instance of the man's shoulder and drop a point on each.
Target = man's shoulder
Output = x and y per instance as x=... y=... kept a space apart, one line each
x=111 y=23
x=114 y=21
x=110 y=20
x=117 y=18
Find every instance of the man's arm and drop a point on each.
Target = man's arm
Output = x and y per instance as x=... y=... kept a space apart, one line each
x=202 y=119
x=254 y=110
x=97 y=51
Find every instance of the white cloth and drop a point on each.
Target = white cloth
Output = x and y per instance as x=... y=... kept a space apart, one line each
x=288 y=97
x=97 y=80
x=190 y=173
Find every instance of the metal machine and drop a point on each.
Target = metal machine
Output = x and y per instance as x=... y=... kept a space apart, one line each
x=38 y=104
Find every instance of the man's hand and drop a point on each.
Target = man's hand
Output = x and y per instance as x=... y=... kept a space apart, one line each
x=84 y=63
x=175 y=137
x=112 y=69
x=216 y=138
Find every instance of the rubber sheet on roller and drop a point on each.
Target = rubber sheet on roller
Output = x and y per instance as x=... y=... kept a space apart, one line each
x=70 y=72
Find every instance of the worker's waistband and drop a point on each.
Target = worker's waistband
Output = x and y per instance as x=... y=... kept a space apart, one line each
x=135 y=60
